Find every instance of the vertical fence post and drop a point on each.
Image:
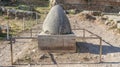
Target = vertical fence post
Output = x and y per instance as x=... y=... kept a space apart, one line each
x=36 y=18
x=23 y=23
x=100 y=49
x=31 y=32
x=84 y=35
x=11 y=49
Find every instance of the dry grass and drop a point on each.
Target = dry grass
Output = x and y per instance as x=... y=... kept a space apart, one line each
x=17 y=25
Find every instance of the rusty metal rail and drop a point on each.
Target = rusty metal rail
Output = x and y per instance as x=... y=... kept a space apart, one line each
x=97 y=37
x=83 y=37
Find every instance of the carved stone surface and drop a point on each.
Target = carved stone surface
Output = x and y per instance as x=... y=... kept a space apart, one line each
x=56 y=22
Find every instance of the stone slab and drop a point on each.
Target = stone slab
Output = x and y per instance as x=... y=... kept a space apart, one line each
x=57 y=43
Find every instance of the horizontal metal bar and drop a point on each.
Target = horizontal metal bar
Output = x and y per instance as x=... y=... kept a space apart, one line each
x=78 y=29
x=93 y=33
x=106 y=63
x=87 y=31
x=24 y=37
x=88 y=37
x=36 y=38
x=31 y=32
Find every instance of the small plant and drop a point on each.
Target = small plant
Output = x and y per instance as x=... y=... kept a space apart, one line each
x=25 y=7
x=6 y=17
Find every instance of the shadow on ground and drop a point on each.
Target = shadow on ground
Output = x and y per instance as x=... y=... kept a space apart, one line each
x=84 y=47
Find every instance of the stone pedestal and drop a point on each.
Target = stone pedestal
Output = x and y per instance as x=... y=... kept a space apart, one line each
x=57 y=43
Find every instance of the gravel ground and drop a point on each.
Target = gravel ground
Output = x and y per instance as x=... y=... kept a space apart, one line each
x=111 y=51
x=18 y=48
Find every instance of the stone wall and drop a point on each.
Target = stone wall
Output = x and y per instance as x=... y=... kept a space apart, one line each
x=35 y=2
x=99 y=2
x=75 y=1
x=97 y=5
x=18 y=14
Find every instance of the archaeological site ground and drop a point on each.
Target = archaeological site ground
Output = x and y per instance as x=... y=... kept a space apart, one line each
x=59 y=33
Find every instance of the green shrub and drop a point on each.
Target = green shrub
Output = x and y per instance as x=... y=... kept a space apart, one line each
x=25 y=7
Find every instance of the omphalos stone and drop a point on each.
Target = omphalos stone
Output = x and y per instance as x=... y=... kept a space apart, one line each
x=56 y=22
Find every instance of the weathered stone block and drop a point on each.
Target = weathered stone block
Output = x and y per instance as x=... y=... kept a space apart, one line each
x=57 y=43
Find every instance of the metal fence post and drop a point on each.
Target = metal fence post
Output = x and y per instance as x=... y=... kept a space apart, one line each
x=84 y=35
x=23 y=23
x=11 y=49
x=36 y=18
x=31 y=32
x=100 y=49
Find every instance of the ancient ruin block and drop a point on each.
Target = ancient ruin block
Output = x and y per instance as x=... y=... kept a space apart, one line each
x=57 y=43
x=56 y=22
x=56 y=35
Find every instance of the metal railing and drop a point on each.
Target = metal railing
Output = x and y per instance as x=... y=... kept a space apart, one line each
x=84 y=37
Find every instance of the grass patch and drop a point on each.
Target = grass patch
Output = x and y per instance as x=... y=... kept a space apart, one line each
x=17 y=25
x=3 y=36
x=42 y=10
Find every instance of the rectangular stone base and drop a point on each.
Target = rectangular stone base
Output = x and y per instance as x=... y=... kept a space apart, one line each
x=57 y=43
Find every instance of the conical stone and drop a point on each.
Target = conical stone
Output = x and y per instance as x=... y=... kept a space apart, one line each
x=56 y=22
